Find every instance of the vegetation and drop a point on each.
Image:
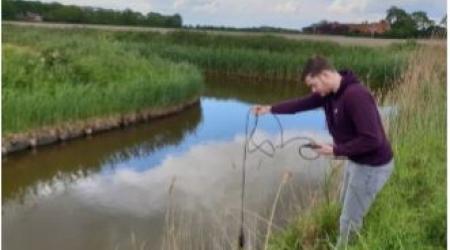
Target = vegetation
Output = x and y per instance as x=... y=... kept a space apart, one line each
x=247 y=29
x=402 y=25
x=55 y=75
x=268 y=57
x=410 y=212
x=56 y=12
x=51 y=77
x=416 y=24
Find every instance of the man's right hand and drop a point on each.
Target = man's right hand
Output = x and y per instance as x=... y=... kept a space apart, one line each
x=261 y=109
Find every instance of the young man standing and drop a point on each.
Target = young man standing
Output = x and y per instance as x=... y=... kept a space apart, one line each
x=354 y=123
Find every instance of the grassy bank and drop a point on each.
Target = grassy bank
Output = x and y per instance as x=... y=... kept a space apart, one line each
x=268 y=57
x=53 y=77
x=56 y=75
x=410 y=212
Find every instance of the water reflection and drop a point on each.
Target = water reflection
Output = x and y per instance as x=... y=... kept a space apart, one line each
x=206 y=180
x=28 y=168
x=111 y=190
x=251 y=91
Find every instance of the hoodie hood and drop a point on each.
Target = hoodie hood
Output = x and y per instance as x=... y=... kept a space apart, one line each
x=348 y=78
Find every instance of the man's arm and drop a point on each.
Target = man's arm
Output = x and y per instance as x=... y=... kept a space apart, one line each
x=293 y=106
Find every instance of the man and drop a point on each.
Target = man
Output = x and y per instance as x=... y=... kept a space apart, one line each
x=354 y=123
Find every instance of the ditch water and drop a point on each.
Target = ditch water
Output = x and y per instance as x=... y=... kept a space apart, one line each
x=170 y=183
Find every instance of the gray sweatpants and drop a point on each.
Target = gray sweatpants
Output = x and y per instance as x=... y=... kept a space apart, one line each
x=361 y=183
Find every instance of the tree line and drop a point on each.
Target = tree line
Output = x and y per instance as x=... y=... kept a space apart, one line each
x=56 y=12
x=402 y=24
x=415 y=24
x=244 y=29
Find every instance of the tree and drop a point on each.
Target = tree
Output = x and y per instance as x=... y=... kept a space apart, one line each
x=395 y=14
x=9 y=10
x=154 y=19
x=56 y=12
x=421 y=19
x=175 y=21
x=129 y=17
x=402 y=24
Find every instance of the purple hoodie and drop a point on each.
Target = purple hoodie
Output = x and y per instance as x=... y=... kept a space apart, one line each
x=352 y=119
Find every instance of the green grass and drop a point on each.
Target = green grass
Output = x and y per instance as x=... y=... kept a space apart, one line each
x=269 y=56
x=53 y=77
x=410 y=212
x=56 y=75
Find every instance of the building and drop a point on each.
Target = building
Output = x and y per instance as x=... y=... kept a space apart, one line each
x=32 y=17
x=365 y=28
x=370 y=28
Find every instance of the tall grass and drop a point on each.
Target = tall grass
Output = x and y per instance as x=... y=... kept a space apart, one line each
x=410 y=212
x=269 y=56
x=56 y=75
x=52 y=77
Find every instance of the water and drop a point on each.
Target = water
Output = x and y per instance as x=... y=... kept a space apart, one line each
x=171 y=181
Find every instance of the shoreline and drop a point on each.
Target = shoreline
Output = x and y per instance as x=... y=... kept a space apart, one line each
x=21 y=141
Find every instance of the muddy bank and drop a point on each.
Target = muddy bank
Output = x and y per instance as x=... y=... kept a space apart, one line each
x=70 y=130
x=255 y=77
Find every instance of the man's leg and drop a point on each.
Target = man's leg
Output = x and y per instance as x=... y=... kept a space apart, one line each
x=363 y=184
x=345 y=180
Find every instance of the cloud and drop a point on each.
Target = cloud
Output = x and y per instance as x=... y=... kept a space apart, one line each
x=348 y=6
x=287 y=7
x=207 y=176
x=206 y=6
x=177 y=4
x=206 y=193
x=282 y=13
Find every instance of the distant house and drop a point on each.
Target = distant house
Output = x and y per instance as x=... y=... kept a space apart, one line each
x=370 y=28
x=325 y=27
x=32 y=17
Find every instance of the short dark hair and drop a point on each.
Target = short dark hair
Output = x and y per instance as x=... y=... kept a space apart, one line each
x=314 y=66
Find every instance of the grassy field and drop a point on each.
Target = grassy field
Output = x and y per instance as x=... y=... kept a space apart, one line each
x=410 y=212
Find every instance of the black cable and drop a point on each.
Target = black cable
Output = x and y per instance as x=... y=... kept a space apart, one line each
x=258 y=148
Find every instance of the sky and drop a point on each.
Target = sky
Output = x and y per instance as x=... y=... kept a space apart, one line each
x=294 y=14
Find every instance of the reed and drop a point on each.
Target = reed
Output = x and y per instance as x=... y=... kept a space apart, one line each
x=410 y=211
x=49 y=78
